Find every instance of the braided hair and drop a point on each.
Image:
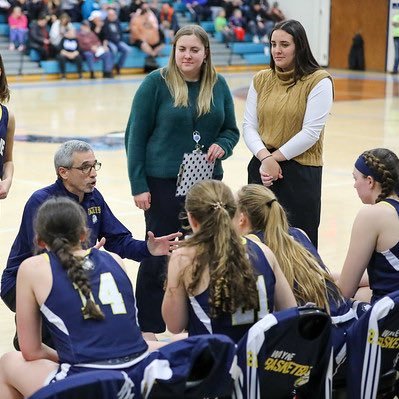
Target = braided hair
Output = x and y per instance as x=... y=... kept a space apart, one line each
x=60 y=223
x=219 y=248
x=385 y=164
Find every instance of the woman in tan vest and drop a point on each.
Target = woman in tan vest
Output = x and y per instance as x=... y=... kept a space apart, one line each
x=286 y=110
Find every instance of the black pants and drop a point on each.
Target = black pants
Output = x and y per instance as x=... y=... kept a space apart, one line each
x=162 y=218
x=63 y=60
x=299 y=192
x=10 y=300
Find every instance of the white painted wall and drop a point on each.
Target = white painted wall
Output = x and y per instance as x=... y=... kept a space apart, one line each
x=314 y=15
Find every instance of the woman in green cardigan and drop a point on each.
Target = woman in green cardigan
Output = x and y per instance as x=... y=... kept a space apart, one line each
x=170 y=105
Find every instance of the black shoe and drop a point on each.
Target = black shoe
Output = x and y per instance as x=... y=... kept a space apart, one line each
x=92 y=76
x=107 y=75
x=117 y=69
x=63 y=77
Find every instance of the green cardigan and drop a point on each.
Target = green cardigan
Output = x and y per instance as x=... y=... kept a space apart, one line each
x=158 y=134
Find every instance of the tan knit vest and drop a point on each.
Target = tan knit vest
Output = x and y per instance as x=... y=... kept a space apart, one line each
x=281 y=109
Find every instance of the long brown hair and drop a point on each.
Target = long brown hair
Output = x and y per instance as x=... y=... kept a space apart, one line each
x=219 y=248
x=305 y=63
x=60 y=223
x=302 y=270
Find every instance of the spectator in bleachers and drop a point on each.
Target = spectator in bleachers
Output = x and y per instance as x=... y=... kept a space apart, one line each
x=112 y=36
x=145 y=33
x=199 y=10
x=96 y=22
x=69 y=52
x=18 y=23
x=260 y=23
x=166 y=31
x=275 y=13
x=107 y=4
x=4 y=7
x=39 y=38
x=216 y=6
x=22 y=4
x=222 y=26
x=35 y=8
x=167 y=14
x=126 y=9
x=154 y=6
x=72 y=8
x=92 y=49
x=58 y=29
x=87 y=7
x=136 y=4
x=237 y=25
x=231 y=5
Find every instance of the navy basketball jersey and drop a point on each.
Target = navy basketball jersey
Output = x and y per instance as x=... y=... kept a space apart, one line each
x=235 y=325
x=81 y=341
x=372 y=347
x=299 y=236
x=284 y=354
x=3 y=135
x=383 y=268
x=203 y=366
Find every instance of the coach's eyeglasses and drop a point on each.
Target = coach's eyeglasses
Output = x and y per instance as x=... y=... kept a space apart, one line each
x=86 y=169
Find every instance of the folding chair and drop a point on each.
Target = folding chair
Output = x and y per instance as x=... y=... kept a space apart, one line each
x=105 y=384
x=202 y=366
x=372 y=352
x=287 y=354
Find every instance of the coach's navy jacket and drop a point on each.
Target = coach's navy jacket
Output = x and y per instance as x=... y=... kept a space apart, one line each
x=100 y=220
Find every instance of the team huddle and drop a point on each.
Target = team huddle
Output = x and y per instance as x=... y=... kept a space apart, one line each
x=236 y=278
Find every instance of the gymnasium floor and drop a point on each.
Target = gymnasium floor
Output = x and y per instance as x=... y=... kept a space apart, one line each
x=365 y=115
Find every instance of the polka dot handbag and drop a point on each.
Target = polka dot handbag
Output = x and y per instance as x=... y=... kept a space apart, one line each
x=194 y=168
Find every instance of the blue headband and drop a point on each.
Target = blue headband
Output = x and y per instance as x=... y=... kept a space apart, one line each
x=362 y=167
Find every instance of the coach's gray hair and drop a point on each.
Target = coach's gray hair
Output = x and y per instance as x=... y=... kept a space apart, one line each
x=63 y=156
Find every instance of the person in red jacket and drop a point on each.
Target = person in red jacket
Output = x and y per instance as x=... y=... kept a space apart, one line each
x=92 y=49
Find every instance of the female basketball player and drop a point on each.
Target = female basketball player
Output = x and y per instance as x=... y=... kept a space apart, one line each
x=7 y=128
x=218 y=282
x=374 y=243
x=260 y=214
x=84 y=297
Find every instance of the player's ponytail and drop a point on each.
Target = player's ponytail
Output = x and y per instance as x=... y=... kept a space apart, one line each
x=219 y=248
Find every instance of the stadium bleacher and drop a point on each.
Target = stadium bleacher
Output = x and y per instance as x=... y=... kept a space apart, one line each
x=240 y=53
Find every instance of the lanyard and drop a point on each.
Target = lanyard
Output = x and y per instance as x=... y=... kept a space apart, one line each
x=196 y=133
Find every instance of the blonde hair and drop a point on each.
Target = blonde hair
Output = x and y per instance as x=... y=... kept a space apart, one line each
x=175 y=80
x=219 y=248
x=302 y=270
